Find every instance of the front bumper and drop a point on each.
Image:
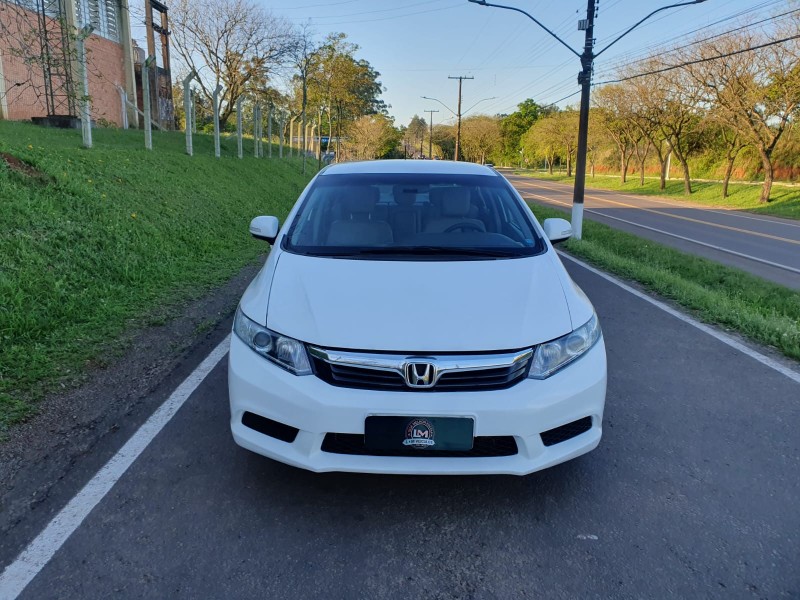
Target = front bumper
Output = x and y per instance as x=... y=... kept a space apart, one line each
x=314 y=407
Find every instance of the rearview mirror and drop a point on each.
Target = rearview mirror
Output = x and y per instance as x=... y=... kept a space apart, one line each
x=265 y=228
x=557 y=230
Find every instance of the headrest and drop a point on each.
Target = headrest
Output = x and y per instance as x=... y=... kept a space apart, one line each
x=455 y=202
x=361 y=200
x=436 y=194
x=405 y=195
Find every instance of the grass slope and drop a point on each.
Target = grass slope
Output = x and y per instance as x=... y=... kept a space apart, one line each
x=765 y=312
x=785 y=200
x=97 y=242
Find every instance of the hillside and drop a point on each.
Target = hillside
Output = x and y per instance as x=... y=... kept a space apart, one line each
x=97 y=242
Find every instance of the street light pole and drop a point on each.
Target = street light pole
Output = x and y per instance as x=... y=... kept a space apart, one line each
x=585 y=81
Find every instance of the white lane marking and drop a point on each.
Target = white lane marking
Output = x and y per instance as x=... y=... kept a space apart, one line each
x=729 y=212
x=675 y=235
x=724 y=338
x=39 y=552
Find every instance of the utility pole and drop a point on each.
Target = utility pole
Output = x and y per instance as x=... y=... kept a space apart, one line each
x=585 y=81
x=430 y=137
x=461 y=78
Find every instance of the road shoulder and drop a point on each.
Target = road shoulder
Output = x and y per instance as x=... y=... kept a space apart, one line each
x=46 y=460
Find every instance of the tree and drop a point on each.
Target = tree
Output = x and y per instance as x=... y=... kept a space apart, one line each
x=645 y=116
x=539 y=143
x=514 y=126
x=614 y=116
x=340 y=85
x=371 y=137
x=304 y=56
x=229 y=43
x=565 y=132
x=756 y=93
x=444 y=137
x=480 y=136
x=414 y=136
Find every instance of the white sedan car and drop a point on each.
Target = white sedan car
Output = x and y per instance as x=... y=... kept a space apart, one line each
x=413 y=317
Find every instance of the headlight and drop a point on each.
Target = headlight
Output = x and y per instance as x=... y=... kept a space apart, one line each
x=283 y=351
x=552 y=356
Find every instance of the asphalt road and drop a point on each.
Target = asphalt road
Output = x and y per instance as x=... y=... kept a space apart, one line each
x=692 y=493
x=765 y=246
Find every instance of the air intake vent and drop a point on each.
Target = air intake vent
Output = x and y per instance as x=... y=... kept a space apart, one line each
x=353 y=444
x=274 y=429
x=566 y=432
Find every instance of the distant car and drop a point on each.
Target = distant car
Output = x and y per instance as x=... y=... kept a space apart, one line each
x=413 y=317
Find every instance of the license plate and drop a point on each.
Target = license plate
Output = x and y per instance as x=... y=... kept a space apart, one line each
x=419 y=433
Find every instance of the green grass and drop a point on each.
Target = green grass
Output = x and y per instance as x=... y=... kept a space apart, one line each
x=100 y=242
x=785 y=200
x=762 y=311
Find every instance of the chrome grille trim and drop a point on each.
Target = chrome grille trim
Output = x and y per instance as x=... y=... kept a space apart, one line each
x=454 y=368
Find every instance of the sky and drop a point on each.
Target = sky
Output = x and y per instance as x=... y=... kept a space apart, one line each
x=417 y=44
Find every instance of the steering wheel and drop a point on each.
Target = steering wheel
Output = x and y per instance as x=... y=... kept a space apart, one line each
x=464 y=226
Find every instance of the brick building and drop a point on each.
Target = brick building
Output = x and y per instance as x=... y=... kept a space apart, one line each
x=39 y=74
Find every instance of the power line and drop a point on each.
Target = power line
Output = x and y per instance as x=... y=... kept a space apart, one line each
x=700 y=60
x=711 y=37
x=631 y=56
x=564 y=98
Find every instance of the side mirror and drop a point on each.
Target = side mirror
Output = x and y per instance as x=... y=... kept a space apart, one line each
x=265 y=228
x=557 y=230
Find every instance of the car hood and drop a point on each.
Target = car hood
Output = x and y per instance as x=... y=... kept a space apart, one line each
x=421 y=306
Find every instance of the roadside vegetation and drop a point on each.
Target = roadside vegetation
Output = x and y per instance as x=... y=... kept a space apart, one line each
x=766 y=313
x=95 y=243
x=785 y=199
x=719 y=106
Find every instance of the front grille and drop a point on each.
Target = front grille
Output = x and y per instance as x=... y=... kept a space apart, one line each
x=487 y=446
x=358 y=377
x=365 y=378
x=566 y=432
x=274 y=429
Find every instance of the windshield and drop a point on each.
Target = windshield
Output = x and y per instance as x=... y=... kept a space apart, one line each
x=392 y=216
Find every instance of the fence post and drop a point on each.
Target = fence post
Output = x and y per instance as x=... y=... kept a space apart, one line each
x=217 y=90
x=260 y=133
x=187 y=111
x=194 y=111
x=123 y=100
x=148 y=125
x=282 y=121
x=256 y=108
x=239 y=127
x=86 y=109
x=269 y=130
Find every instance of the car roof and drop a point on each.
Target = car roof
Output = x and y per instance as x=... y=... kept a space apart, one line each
x=448 y=167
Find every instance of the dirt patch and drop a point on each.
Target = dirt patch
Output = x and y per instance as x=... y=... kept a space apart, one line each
x=27 y=171
x=44 y=461
x=20 y=166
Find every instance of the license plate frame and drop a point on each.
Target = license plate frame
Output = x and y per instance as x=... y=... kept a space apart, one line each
x=422 y=434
